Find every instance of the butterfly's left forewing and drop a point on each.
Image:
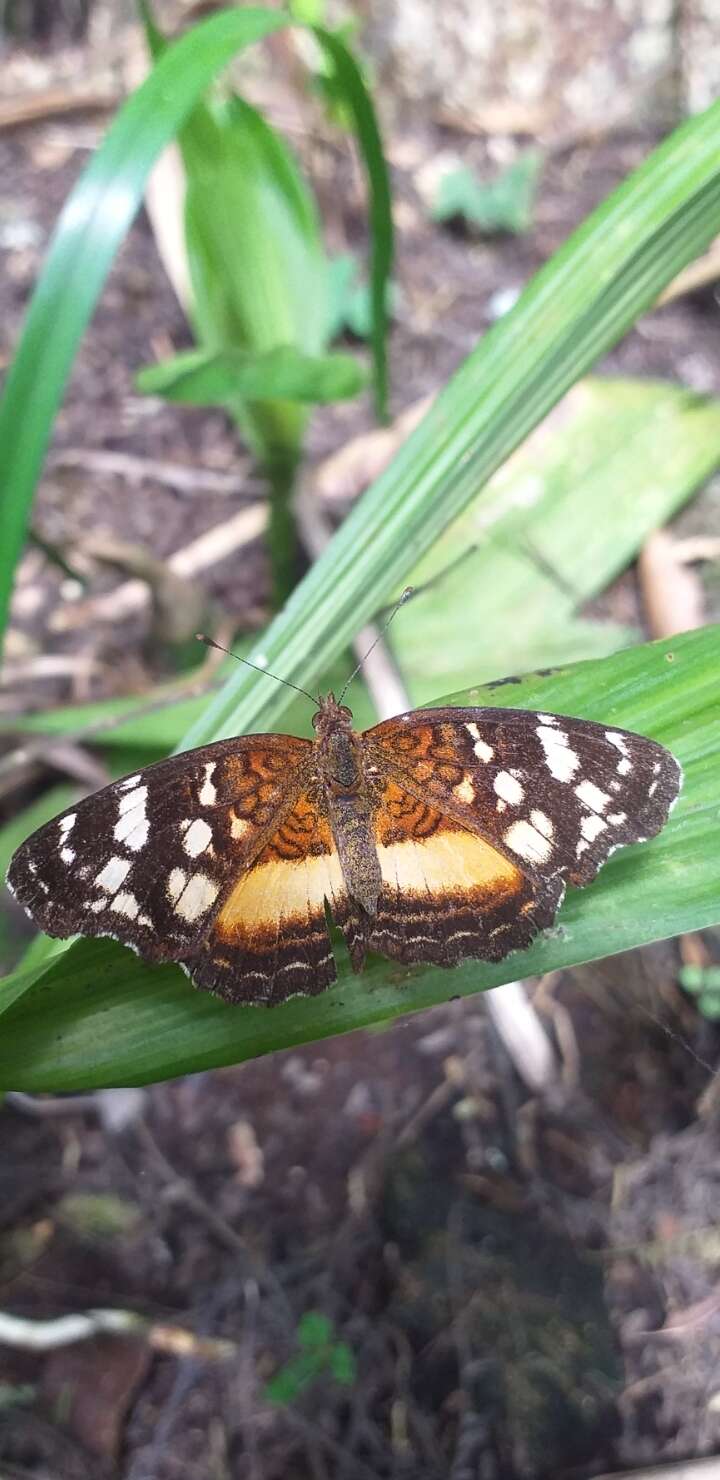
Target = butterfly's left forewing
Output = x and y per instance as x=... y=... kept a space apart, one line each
x=149 y=859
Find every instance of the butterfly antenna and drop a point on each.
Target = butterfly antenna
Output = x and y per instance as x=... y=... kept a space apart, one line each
x=407 y=593
x=210 y=642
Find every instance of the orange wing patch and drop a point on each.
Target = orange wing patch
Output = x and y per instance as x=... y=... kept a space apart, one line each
x=268 y=940
x=448 y=893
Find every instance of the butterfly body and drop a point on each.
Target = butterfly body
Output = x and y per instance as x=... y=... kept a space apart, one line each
x=436 y=836
x=349 y=790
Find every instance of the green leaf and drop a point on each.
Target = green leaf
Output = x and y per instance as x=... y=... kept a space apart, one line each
x=297 y=1374
x=342 y=1364
x=97 y=1016
x=201 y=378
x=528 y=554
x=503 y=204
x=314 y=1329
x=258 y=268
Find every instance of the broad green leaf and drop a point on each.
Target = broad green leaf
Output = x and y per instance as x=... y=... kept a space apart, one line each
x=503 y=204
x=204 y=378
x=97 y=1016
x=532 y=549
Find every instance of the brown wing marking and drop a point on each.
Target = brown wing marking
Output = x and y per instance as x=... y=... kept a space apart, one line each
x=268 y=939
x=447 y=893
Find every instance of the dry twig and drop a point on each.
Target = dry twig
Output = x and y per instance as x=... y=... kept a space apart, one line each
x=45 y=1336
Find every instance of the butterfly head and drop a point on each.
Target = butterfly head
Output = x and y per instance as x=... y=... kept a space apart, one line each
x=331 y=717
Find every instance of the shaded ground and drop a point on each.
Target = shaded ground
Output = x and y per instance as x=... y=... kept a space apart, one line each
x=518 y=1286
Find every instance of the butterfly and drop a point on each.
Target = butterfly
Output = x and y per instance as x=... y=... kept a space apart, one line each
x=439 y=835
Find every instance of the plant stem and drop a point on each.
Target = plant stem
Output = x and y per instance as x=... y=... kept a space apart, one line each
x=280 y=468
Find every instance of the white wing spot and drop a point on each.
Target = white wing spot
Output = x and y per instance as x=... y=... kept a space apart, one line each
x=501 y=806
x=528 y=843
x=67 y=823
x=177 y=880
x=542 y=823
x=125 y=904
x=207 y=795
x=135 y=798
x=561 y=761
x=624 y=766
x=129 y=782
x=592 y=826
x=132 y=827
x=548 y=719
x=616 y=818
x=238 y=827
x=618 y=741
x=114 y=874
x=483 y=751
x=591 y=796
x=68 y=855
x=199 y=893
x=197 y=837
x=465 y=791
x=134 y=834
x=508 y=788
x=97 y=905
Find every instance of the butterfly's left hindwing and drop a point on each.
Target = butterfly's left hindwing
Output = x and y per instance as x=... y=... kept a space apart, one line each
x=555 y=795
x=269 y=939
x=148 y=859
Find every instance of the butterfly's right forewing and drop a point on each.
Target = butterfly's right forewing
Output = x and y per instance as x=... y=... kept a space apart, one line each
x=149 y=859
